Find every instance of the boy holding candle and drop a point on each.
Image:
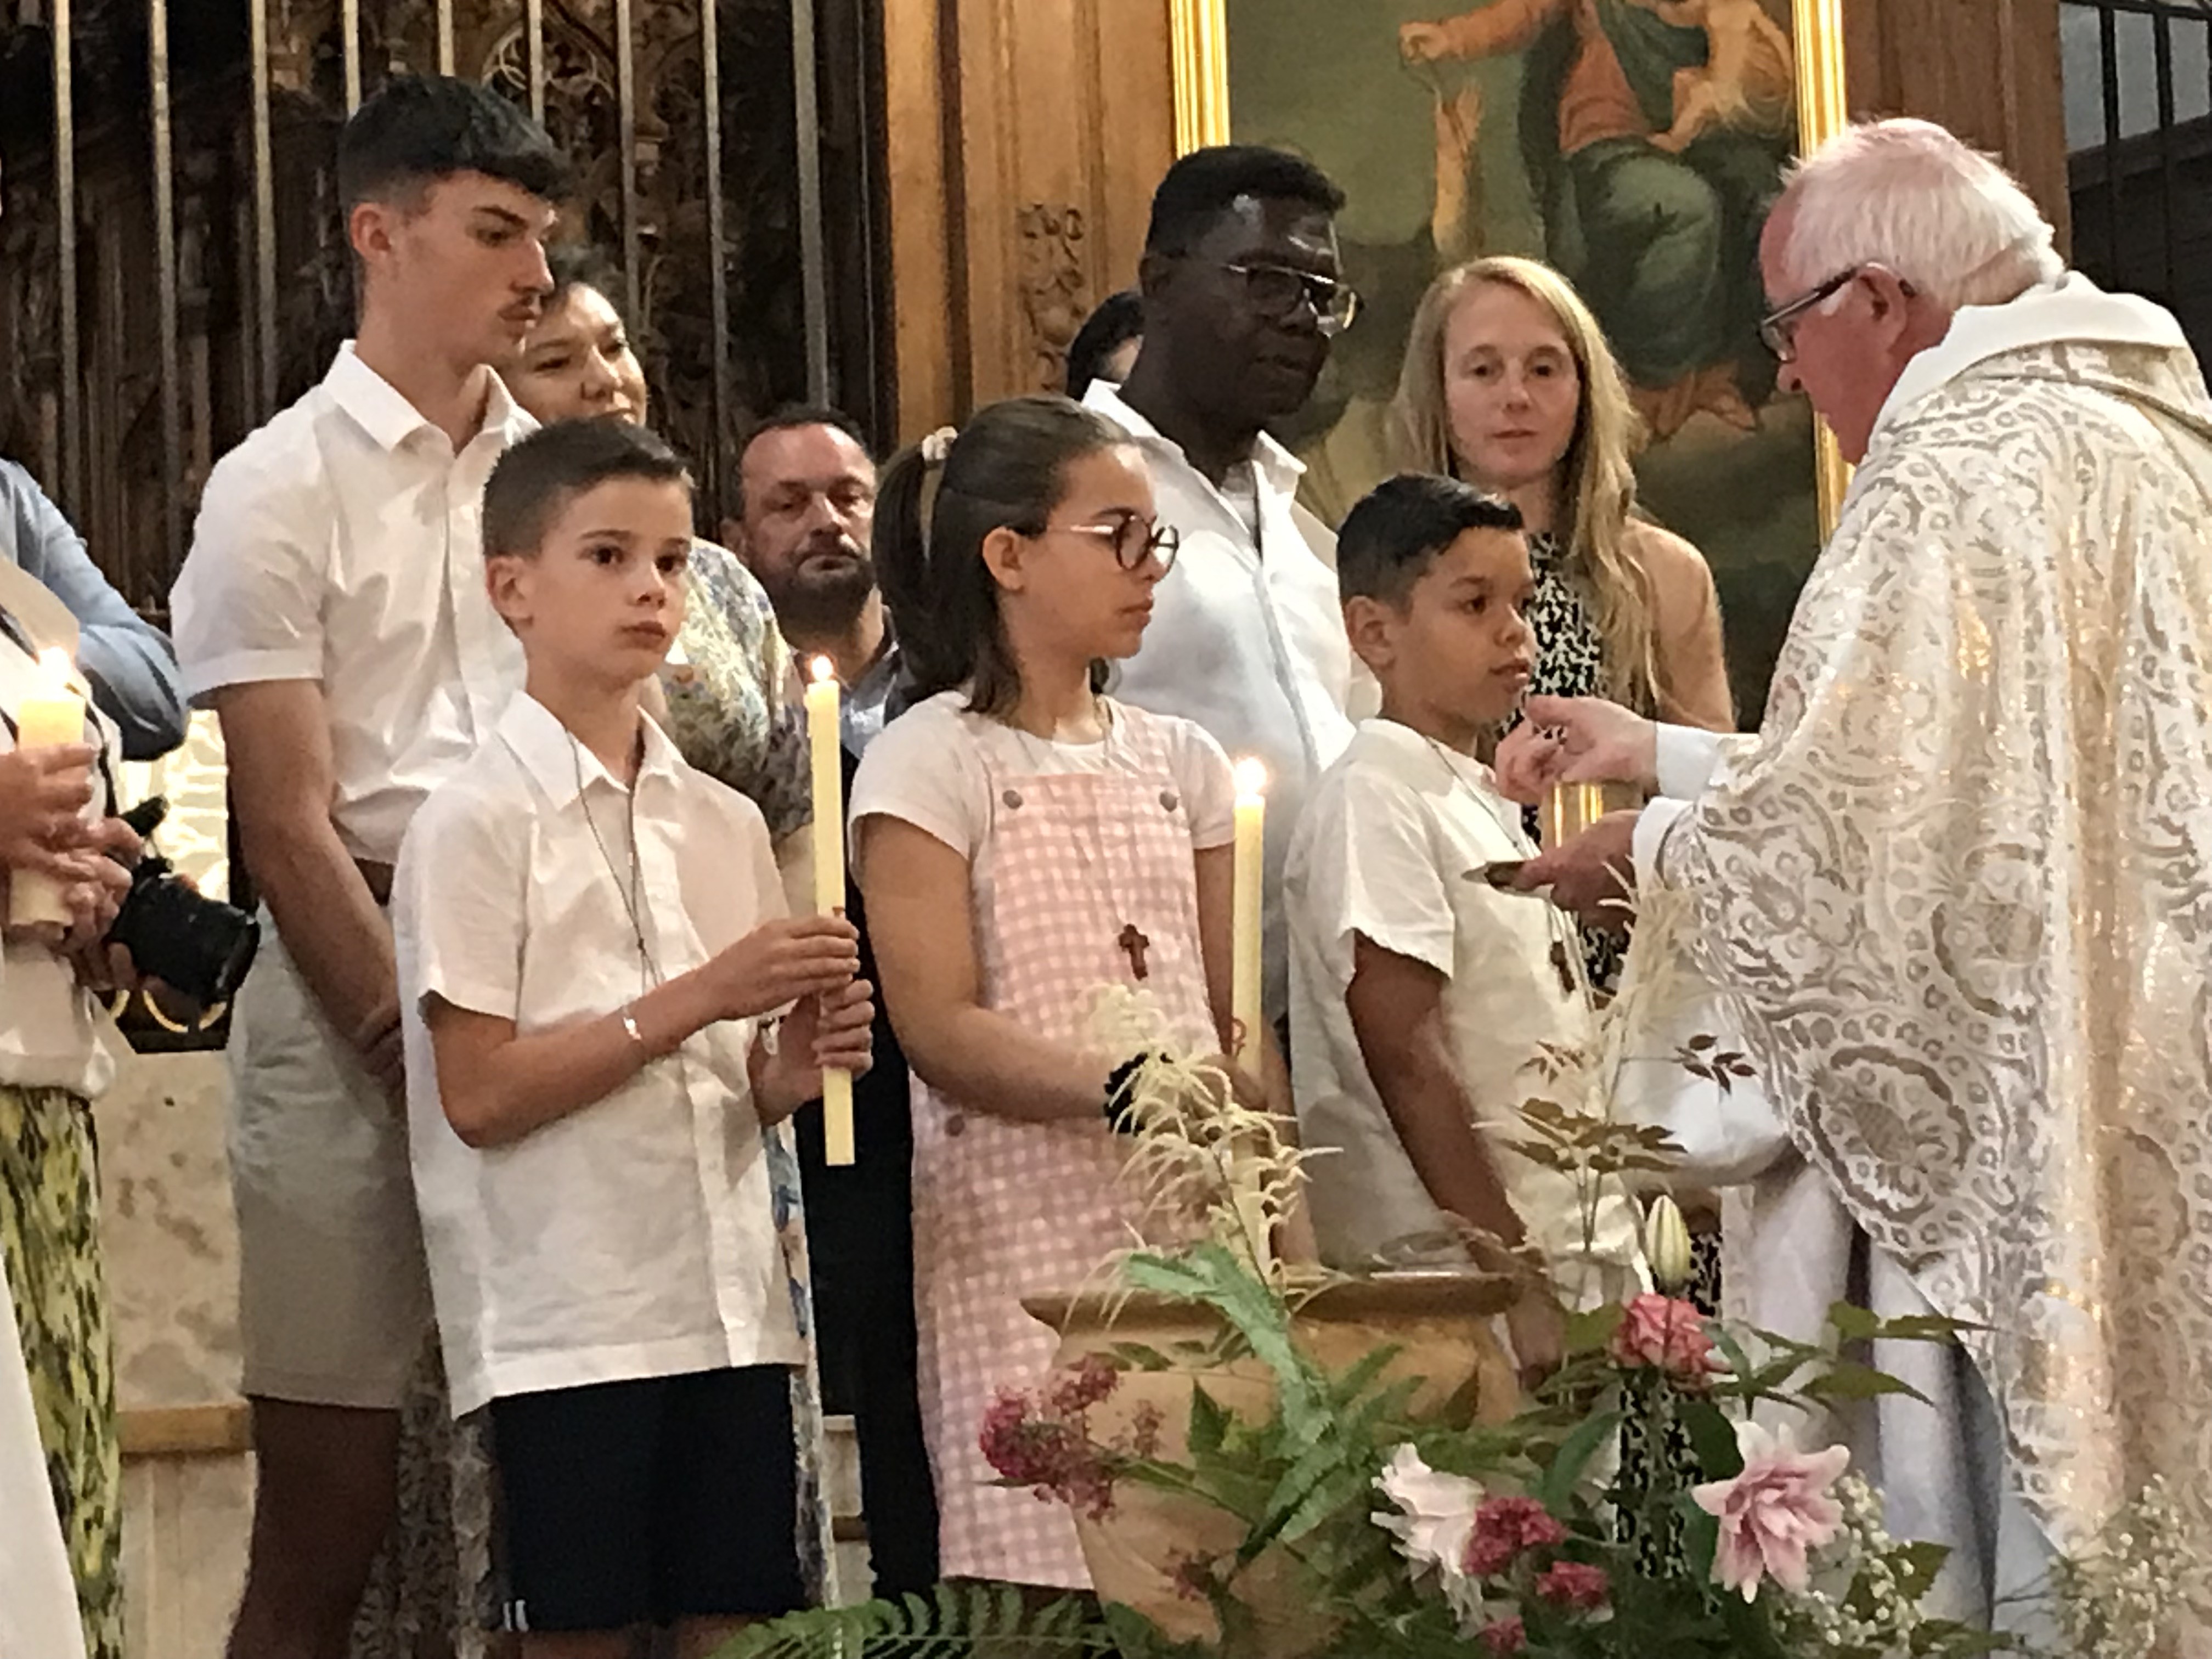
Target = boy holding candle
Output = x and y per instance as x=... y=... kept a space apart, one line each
x=1421 y=994
x=592 y=948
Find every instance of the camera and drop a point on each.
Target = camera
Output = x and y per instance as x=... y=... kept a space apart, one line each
x=198 y=945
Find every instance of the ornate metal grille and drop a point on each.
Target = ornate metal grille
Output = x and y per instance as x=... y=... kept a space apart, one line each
x=172 y=269
x=2139 y=128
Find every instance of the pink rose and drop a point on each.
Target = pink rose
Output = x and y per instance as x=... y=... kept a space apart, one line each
x=1505 y=1529
x=1664 y=1333
x=1505 y=1636
x=1574 y=1584
x=1774 y=1513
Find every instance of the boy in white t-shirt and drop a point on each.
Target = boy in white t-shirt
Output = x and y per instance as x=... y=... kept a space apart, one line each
x=591 y=938
x=1419 y=992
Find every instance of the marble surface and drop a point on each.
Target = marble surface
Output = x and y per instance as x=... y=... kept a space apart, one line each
x=170 y=1242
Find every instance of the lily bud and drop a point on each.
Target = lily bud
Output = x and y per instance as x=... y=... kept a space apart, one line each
x=1667 y=1245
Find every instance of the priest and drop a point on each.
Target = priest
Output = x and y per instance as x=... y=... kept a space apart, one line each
x=1957 y=892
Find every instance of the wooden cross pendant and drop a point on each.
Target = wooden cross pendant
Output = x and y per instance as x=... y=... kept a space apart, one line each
x=1131 y=940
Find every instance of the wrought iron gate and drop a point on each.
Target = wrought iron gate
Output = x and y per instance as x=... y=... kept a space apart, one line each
x=173 y=269
x=2139 y=130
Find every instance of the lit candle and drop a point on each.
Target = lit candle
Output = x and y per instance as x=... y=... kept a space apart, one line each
x=825 y=735
x=1246 y=1009
x=1244 y=1004
x=54 y=713
x=1568 y=810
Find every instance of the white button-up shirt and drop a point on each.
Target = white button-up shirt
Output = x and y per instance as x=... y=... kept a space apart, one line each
x=635 y=1237
x=1246 y=639
x=342 y=543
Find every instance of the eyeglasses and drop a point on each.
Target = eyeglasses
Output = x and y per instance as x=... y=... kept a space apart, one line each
x=1778 y=330
x=1276 y=292
x=1132 y=539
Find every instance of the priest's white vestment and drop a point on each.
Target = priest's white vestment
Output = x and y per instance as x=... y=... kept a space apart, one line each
x=1957 y=895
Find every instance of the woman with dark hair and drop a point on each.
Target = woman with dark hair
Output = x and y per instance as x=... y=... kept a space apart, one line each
x=728 y=695
x=1028 y=848
x=1106 y=345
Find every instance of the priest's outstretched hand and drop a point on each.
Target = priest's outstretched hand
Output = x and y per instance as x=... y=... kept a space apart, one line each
x=1592 y=874
x=1575 y=740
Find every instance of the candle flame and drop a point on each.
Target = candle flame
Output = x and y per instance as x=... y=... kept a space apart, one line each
x=824 y=670
x=55 y=665
x=1251 y=777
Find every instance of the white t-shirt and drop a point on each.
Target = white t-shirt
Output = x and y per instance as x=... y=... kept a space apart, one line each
x=933 y=768
x=1246 y=636
x=635 y=1237
x=1390 y=836
x=342 y=543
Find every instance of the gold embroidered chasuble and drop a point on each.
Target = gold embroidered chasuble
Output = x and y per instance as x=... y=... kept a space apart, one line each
x=1960 y=890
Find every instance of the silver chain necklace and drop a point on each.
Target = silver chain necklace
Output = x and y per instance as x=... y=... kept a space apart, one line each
x=632 y=893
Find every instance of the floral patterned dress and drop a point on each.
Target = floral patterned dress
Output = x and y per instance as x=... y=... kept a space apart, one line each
x=1569 y=663
x=733 y=711
x=49 y=1250
x=733 y=695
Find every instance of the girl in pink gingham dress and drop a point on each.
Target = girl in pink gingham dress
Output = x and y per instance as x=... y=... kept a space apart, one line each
x=1023 y=843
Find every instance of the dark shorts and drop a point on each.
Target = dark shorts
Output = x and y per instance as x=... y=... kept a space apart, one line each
x=650 y=1502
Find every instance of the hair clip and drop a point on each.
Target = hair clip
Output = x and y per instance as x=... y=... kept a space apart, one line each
x=937 y=447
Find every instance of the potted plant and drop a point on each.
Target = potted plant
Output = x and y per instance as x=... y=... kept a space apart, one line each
x=1271 y=1464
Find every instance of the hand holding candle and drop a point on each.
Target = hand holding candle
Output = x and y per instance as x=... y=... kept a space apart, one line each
x=825 y=737
x=52 y=716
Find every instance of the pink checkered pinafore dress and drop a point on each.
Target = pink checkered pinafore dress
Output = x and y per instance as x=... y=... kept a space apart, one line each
x=1003 y=1209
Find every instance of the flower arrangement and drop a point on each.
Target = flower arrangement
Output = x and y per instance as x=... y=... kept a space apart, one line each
x=1651 y=1499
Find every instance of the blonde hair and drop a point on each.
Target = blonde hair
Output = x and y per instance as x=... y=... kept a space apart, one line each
x=1599 y=493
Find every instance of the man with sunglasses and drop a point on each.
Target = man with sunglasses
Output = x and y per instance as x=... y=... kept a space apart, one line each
x=1958 y=888
x=1242 y=294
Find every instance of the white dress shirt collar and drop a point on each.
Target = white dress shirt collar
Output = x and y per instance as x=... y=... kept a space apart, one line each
x=1275 y=465
x=380 y=409
x=558 y=761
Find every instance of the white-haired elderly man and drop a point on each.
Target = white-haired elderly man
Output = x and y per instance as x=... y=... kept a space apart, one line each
x=1957 y=892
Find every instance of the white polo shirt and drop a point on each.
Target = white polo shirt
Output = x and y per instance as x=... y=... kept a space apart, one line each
x=635 y=1237
x=1247 y=637
x=342 y=543
x=1386 y=849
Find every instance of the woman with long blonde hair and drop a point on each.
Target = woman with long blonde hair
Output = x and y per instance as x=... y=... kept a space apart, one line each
x=1509 y=385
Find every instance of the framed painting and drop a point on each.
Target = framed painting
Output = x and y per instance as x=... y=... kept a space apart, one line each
x=1637 y=145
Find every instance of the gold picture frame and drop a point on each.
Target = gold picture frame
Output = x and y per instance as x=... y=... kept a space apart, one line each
x=1199 y=34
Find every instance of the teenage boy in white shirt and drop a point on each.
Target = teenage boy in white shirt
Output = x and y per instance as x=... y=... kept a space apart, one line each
x=1420 y=993
x=332 y=613
x=591 y=940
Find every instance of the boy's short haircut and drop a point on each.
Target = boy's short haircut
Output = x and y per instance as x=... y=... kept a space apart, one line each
x=537 y=478
x=419 y=129
x=1399 y=526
